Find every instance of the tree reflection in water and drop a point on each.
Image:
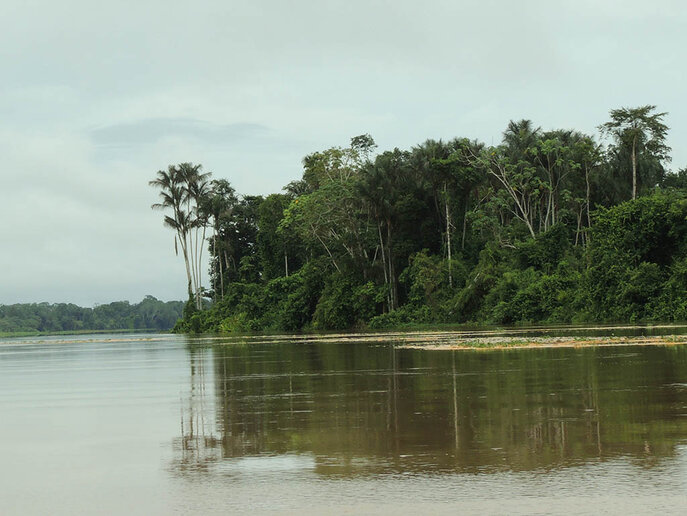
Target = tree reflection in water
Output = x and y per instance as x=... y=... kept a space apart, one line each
x=357 y=409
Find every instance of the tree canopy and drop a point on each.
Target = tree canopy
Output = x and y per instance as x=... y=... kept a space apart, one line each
x=548 y=225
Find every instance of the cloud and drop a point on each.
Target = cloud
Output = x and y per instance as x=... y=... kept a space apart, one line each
x=95 y=99
x=76 y=230
x=153 y=130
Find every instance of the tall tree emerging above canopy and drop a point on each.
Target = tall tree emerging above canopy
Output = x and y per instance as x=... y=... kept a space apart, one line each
x=640 y=131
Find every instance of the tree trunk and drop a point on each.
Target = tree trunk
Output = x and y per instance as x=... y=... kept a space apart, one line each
x=219 y=262
x=588 y=195
x=448 y=237
x=386 y=276
x=184 y=251
x=634 y=168
x=465 y=224
x=331 y=256
x=200 y=269
x=586 y=178
x=221 y=277
x=392 y=276
x=286 y=263
x=192 y=264
x=226 y=266
x=196 y=280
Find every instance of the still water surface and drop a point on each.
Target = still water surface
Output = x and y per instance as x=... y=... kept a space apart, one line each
x=162 y=424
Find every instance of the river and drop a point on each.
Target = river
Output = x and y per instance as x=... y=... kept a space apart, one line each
x=165 y=424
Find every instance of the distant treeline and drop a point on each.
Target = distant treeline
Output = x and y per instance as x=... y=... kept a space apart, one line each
x=547 y=226
x=149 y=314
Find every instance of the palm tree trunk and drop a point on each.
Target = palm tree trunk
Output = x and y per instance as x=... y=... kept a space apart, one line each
x=200 y=269
x=197 y=251
x=184 y=250
x=192 y=255
x=219 y=262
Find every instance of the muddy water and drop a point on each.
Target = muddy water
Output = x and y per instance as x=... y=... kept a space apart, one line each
x=164 y=424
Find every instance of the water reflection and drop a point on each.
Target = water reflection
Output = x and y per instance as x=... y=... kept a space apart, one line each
x=356 y=409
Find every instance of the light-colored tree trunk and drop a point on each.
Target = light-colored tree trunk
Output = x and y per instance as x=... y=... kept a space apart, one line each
x=199 y=254
x=184 y=251
x=634 y=167
x=448 y=237
x=392 y=277
x=200 y=269
x=588 y=196
x=219 y=261
x=386 y=276
x=326 y=248
x=465 y=224
x=226 y=266
x=194 y=268
x=588 y=203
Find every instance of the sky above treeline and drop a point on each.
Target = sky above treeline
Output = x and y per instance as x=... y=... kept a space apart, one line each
x=96 y=97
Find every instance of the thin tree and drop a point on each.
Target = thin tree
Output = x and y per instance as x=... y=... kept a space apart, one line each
x=641 y=131
x=219 y=204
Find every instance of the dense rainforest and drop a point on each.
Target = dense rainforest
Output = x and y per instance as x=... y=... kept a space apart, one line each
x=548 y=226
x=149 y=314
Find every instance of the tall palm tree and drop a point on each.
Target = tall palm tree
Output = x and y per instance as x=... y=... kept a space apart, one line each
x=199 y=189
x=182 y=189
x=519 y=137
x=173 y=196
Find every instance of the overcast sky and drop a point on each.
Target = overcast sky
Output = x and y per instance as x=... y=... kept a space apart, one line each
x=95 y=97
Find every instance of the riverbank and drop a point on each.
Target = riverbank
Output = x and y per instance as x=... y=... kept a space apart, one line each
x=13 y=334
x=482 y=339
x=500 y=343
x=447 y=340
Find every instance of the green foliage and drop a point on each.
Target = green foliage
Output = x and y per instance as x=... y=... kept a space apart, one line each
x=284 y=303
x=547 y=251
x=344 y=304
x=671 y=303
x=536 y=229
x=530 y=296
x=636 y=248
x=677 y=180
x=278 y=248
x=651 y=229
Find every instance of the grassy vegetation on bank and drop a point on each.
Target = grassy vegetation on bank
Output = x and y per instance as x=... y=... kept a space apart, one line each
x=77 y=332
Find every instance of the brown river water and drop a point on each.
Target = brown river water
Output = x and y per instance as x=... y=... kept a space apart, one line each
x=164 y=424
